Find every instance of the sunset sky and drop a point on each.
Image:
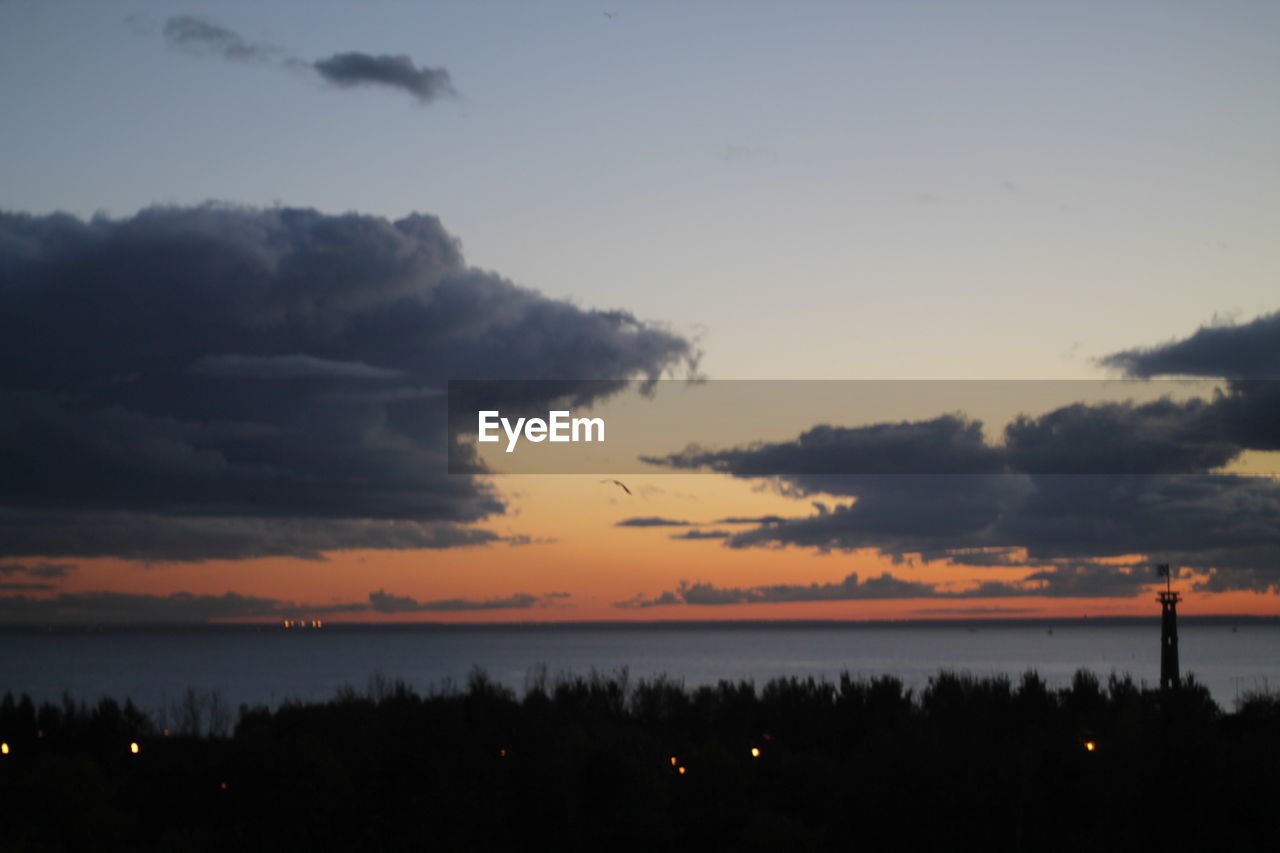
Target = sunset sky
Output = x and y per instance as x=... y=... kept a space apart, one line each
x=243 y=250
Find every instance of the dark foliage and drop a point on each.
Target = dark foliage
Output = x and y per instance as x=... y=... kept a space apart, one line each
x=599 y=762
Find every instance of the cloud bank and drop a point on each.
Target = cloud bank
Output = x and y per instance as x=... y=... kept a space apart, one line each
x=652 y=521
x=225 y=382
x=1154 y=486
x=383 y=602
x=1067 y=580
x=185 y=607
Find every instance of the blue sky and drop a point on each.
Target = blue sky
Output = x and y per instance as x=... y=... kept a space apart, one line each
x=820 y=190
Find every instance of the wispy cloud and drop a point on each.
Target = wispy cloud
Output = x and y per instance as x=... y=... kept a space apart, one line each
x=37 y=570
x=93 y=607
x=701 y=534
x=194 y=34
x=185 y=607
x=652 y=521
x=1068 y=580
x=383 y=602
x=188 y=32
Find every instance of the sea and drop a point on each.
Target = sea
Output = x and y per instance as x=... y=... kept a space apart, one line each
x=270 y=664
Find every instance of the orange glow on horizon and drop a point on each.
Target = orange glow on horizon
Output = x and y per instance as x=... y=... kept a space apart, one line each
x=580 y=550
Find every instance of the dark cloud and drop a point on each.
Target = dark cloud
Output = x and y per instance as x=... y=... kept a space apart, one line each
x=42 y=572
x=755 y=519
x=383 y=602
x=652 y=521
x=640 y=601
x=521 y=540
x=1248 y=414
x=950 y=444
x=983 y=557
x=1082 y=483
x=1247 y=355
x=1161 y=437
x=97 y=607
x=295 y=366
x=1224 y=577
x=702 y=534
x=1070 y=580
x=1247 y=351
x=895 y=515
x=192 y=33
x=37 y=570
x=216 y=381
x=399 y=72
x=1202 y=521
x=884 y=586
x=173 y=537
x=1089 y=580
x=351 y=68
x=1112 y=516
x=974 y=611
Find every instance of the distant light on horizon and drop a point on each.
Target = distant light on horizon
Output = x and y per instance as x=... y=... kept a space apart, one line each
x=134 y=748
x=755 y=752
x=4 y=749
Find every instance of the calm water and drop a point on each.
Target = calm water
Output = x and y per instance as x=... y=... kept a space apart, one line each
x=270 y=665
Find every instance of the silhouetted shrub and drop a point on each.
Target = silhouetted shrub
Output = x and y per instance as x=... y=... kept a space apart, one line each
x=595 y=761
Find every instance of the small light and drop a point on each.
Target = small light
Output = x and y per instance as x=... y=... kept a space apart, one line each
x=134 y=748
x=39 y=732
x=4 y=749
x=681 y=770
x=755 y=752
x=1090 y=746
x=502 y=752
x=164 y=732
x=223 y=786
x=674 y=762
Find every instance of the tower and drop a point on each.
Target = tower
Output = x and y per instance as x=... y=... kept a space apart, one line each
x=1168 y=630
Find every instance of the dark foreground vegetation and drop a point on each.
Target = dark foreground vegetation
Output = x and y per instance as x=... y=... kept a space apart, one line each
x=599 y=763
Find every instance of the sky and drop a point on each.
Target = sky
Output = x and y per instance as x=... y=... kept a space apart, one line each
x=244 y=246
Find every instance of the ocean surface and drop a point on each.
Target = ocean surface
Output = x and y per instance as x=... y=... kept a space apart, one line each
x=270 y=664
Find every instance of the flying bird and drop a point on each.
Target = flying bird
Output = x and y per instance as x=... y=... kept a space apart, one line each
x=618 y=483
